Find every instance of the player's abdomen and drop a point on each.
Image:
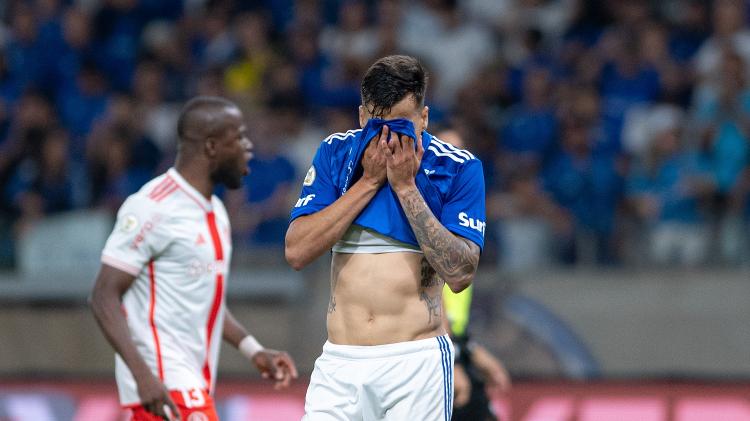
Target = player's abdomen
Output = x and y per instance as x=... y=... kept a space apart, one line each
x=380 y=298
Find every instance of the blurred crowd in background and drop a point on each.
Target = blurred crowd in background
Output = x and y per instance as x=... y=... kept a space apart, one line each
x=612 y=132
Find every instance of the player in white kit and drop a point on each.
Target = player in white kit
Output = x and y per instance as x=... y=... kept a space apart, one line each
x=159 y=296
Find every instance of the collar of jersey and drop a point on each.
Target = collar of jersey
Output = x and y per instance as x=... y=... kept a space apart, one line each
x=189 y=190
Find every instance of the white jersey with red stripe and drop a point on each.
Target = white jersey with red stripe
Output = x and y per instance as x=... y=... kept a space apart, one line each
x=177 y=244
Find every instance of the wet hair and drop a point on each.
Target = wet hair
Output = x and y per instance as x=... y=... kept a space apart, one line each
x=391 y=79
x=199 y=114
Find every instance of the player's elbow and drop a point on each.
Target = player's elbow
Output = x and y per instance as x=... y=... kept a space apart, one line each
x=294 y=257
x=293 y=250
x=295 y=262
x=459 y=283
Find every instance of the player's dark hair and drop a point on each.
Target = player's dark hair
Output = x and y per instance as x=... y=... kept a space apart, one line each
x=195 y=107
x=391 y=79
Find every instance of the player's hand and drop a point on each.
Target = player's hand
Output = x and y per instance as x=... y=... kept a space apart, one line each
x=155 y=398
x=402 y=160
x=277 y=366
x=373 y=162
x=461 y=386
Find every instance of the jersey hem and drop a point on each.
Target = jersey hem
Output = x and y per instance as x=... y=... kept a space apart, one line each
x=121 y=265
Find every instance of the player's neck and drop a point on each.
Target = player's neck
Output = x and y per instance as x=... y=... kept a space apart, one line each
x=200 y=180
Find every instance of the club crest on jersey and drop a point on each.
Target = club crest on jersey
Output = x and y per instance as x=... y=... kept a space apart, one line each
x=129 y=223
x=310 y=177
x=472 y=223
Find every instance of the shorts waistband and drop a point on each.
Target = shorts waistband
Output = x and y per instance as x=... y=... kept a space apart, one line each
x=388 y=350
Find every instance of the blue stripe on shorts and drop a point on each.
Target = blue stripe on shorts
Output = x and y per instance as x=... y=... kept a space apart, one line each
x=444 y=361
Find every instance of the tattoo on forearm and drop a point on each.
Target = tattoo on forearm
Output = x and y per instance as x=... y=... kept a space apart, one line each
x=434 y=306
x=447 y=254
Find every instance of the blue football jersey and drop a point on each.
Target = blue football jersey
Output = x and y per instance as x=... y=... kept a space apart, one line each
x=450 y=180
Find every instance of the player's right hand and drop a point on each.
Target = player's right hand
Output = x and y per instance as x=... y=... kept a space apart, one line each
x=156 y=400
x=373 y=162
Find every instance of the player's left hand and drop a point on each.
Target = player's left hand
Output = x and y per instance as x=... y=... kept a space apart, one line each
x=277 y=366
x=402 y=160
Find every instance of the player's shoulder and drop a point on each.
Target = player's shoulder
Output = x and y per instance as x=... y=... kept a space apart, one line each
x=341 y=138
x=443 y=154
x=152 y=197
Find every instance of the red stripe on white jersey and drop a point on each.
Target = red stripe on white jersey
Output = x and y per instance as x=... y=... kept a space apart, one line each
x=218 y=294
x=171 y=189
x=160 y=187
x=163 y=189
x=151 y=309
x=215 y=238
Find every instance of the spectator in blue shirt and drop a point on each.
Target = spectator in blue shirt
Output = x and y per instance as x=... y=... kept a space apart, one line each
x=72 y=50
x=25 y=54
x=260 y=208
x=46 y=182
x=667 y=189
x=531 y=130
x=81 y=104
x=624 y=83
x=120 y=156
x=724 y=119
x=588 y=185
x=117 y=31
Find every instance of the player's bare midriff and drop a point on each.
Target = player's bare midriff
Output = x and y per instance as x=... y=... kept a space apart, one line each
x=383 y=298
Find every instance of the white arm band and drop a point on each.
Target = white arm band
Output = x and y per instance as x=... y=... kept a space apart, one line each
x=249 y=346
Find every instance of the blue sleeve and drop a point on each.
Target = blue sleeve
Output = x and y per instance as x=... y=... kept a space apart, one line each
x=464 y=211
x=318 y=189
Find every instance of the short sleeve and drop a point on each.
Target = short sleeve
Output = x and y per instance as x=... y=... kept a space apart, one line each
x=464 y=208
x=139 y=234
x=318 y=189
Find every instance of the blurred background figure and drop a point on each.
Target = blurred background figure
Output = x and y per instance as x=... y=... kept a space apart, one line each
x=668 y=188
x=259 y=210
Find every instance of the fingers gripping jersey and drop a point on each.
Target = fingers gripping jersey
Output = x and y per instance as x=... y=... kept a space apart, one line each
x=450 y=180
x=177 y=244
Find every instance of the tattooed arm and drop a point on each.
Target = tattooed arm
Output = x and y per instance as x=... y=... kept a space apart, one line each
x=454 y=258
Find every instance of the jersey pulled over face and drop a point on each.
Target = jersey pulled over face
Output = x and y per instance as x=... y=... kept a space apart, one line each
x=450 y=180
x=177 y=244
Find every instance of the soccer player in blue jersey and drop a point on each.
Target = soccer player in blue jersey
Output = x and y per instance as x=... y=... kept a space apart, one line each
x=403 y=214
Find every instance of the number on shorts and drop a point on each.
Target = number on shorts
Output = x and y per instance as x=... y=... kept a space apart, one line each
x=193 y=398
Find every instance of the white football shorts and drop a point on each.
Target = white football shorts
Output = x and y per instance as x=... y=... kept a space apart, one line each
x=396 y=382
